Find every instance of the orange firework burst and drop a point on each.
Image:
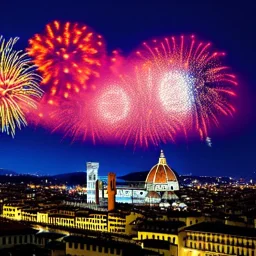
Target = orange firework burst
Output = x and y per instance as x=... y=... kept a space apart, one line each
x=18 y=87
x=68 y=56
x=193 y=79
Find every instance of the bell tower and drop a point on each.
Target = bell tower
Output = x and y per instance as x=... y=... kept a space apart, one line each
x=92 y=177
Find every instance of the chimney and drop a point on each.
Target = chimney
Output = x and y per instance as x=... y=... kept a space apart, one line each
x=111 y=191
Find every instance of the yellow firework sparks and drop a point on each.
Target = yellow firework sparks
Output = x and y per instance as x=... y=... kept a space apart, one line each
x=19 y=88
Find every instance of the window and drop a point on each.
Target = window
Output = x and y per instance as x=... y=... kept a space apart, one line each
x=94 y=247
x=173 y=240
x=100 y=249
x=4 y=240
x=76 y=245
x=15 y=240
x=88 y=247
x=118 y=251
x=9 y=240
x=69 y=245
x=105 y=249
x=82 y=246
x=26 y=239
x=20 y=239
x=112 y=250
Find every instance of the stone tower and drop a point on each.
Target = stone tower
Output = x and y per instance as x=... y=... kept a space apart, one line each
x=111 y=191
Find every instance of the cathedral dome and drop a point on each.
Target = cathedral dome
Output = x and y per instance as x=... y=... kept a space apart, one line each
x=161 y=177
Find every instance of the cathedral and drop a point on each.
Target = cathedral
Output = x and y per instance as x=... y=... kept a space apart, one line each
x=161 y=183
x=159 y=188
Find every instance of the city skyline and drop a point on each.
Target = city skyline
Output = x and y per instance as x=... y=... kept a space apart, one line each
x=36 y=149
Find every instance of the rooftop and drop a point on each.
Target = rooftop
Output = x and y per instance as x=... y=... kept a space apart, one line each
x=157 y=244
x=166 y=227
x=61 y=216
x=99 y=242
x=220 y=228
x=14 y=228
x=50 y=235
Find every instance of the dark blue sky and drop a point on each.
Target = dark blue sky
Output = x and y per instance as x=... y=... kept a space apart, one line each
x=125 y=24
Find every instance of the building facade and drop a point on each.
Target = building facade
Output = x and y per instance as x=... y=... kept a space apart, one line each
x=92 y=176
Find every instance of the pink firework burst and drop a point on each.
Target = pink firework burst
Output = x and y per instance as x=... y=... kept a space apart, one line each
x=132 y=113
x=192 y=80
x=76 y=119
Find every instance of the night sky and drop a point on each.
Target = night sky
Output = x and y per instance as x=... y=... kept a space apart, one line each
x=125 y=24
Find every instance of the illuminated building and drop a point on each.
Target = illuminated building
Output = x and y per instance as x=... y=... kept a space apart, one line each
x=129 y=195
x=42 y=217
x=121 y=223
x=92 y=177
x=12 y=212
x=61 y=220
x=159 y=187
x=164 y=248
x=160 y=230
x=214 y=238
x=29 y=215
x=76 y=245
x=161 y=182
x=93 y=221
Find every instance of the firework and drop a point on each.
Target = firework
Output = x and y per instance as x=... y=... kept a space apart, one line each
x=19 y=88
x=68 y=56
x=42 y=115
x=113 y=105
x=132 y=112
x=193 y=81
x=116 y=63
x=75 y=118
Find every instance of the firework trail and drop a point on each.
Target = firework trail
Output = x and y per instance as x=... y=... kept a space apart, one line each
x=19 y=90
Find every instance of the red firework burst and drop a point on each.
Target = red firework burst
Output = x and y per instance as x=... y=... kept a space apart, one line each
x=130 y=110
x=206 y=86
x=68 y=55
